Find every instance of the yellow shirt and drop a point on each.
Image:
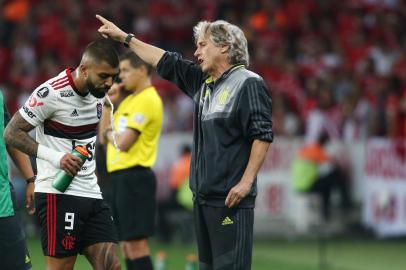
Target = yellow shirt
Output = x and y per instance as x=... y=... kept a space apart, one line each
x=142 y=112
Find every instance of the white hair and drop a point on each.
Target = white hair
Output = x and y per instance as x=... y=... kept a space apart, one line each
x=223 y=33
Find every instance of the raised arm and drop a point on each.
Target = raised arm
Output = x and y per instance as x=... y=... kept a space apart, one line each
x=145 y=51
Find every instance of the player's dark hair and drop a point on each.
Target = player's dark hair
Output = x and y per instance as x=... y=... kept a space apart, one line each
x=102 y=50
x=136 y=61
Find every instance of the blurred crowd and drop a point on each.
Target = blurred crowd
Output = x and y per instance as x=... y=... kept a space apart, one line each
x=338 y=66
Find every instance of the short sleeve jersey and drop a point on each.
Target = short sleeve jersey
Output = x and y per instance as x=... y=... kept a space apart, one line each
x=64 y=118
x=142 y=112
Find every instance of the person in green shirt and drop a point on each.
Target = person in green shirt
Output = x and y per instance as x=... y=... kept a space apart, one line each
x=13 y=250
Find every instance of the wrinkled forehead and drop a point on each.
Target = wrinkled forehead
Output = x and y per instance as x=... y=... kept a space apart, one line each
x=203 y=37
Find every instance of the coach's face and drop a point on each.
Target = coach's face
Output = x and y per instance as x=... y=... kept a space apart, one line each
x=100 y=78
x=209 y=56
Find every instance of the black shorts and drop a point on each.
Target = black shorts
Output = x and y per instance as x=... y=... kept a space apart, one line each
x=13 y=250
x=224 y=237
x=71 y=223
x=134 y=202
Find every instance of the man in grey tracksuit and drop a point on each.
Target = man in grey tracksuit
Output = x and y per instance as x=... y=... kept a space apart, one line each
x=232 y=133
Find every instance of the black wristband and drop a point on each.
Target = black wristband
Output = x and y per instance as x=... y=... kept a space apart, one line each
x=127 y=40
x=31 y=180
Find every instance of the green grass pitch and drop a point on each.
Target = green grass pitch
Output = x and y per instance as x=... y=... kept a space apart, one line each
x=340 y=254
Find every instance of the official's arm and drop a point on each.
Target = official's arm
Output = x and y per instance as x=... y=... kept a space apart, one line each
x=124 y=140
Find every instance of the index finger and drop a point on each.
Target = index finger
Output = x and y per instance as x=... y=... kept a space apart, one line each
x=102 y=19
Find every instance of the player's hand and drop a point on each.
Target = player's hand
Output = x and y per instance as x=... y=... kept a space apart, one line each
x=110 y=30
x=71 y=164
x=237 y=193
x=114 y=92
x=29 y=198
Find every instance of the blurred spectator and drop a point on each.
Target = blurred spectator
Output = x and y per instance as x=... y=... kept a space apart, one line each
x=356 y=116
x=285 y=122
x=169 y=209
x=317 y=172
x=180 y=169
x=326 y=116
x=383 y=57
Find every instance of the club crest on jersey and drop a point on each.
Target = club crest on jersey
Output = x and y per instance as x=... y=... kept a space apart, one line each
x=66 y=94
x=43 y=92
x=68 y=242
x=223 y=97
x=99 y=109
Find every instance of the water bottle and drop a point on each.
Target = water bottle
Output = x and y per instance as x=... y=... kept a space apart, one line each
x=63 y=180
x=160 y=261
x=191 y=262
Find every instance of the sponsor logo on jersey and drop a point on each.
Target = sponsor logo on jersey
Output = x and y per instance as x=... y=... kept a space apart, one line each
x=28 y=112
x=99 y=109
x=43 y=92
x=66 y=94
x=33 y=102
x=74 y=113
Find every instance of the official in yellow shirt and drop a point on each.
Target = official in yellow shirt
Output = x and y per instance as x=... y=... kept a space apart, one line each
x=141 y=112
x=131 y=152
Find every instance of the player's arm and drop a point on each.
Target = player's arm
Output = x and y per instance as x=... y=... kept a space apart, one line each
x=243 y=188
x=115 y=95
x=16 y=135
x=149 y=53
x=23 y=163
x=104 y=123
x=124 y=140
